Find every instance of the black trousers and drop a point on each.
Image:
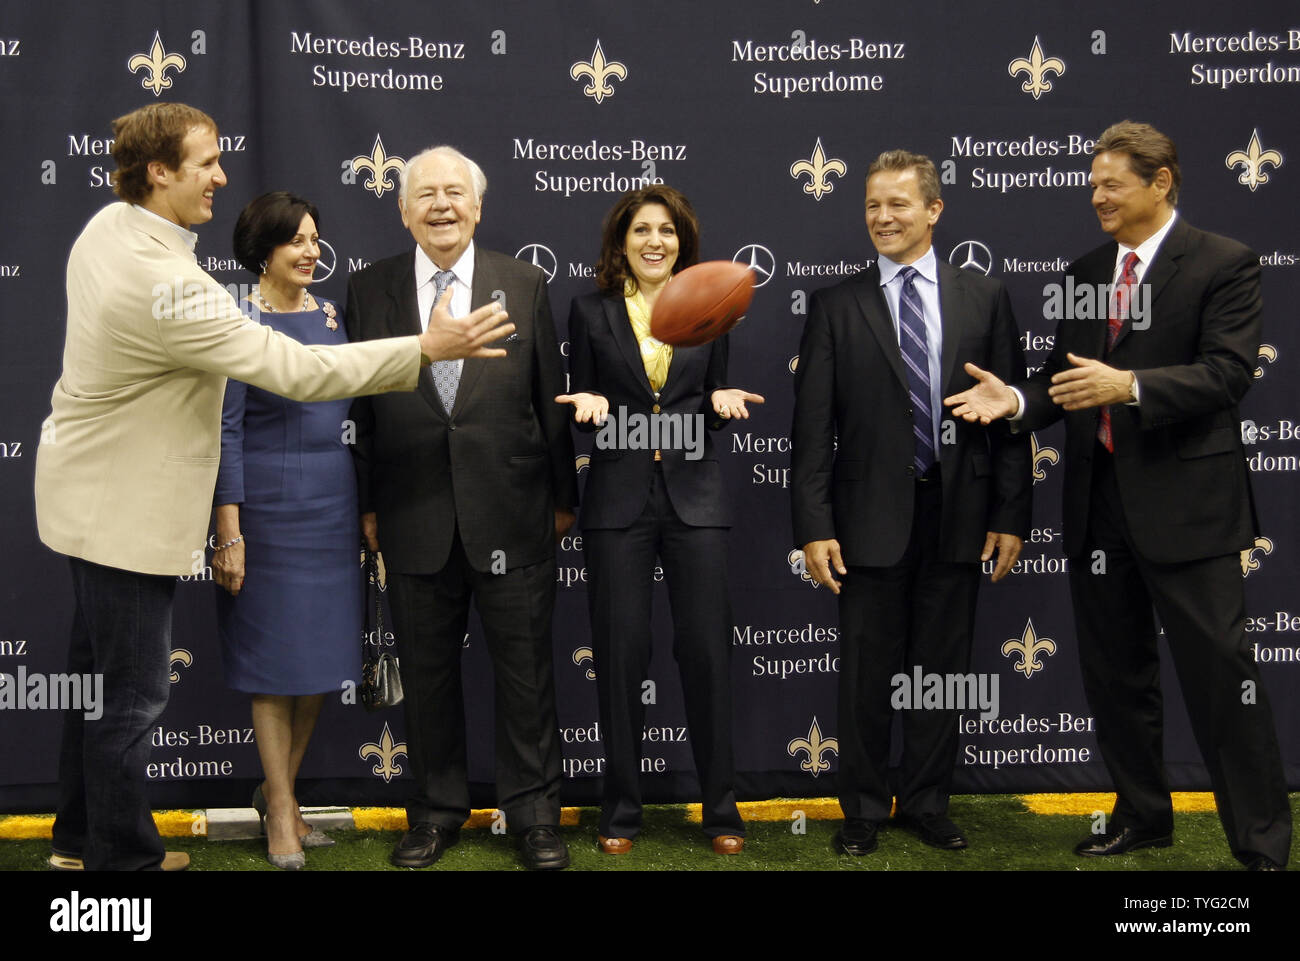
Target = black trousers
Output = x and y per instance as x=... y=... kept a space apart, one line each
x=122 y=629
x=918 y=612
x=620 y=568
x=430 y=614
x=1203 y=609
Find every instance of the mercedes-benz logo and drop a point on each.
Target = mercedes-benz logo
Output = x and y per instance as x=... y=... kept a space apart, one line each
x=539 y=255
x=325 y=263
x=972 y=255
x=759 y=259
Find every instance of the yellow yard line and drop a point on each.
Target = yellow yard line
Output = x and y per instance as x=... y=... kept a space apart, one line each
x=1080 y=803
x=16 y=827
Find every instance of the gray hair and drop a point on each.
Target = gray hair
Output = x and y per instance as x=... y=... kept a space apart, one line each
x=478 y=179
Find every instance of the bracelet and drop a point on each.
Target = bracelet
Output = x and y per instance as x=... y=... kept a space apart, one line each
x=228 y=544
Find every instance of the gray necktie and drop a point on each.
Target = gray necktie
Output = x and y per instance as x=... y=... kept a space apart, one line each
x=446 y=373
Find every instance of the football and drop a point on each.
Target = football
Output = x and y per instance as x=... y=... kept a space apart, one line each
x=702 y=303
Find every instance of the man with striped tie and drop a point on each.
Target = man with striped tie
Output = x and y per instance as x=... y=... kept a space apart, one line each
x=895 y=503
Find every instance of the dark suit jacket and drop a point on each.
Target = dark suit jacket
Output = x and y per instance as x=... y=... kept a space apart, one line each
x=499 y=463
x=1179 y=459
x=850 y=385
x=604 y=359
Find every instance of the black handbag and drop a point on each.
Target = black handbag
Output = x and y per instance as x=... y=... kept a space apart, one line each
x=381 y=681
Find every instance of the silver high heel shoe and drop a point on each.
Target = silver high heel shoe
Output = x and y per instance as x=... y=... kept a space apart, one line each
x=316 y=839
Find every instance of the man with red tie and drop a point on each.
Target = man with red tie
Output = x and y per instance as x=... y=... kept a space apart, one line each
x=1158 y=502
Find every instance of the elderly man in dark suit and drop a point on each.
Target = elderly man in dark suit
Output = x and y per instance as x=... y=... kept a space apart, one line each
x=900 y=504
x=1158 y=502
x=466 y=484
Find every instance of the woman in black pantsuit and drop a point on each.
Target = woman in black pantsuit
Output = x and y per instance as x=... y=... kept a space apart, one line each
x=642 y=503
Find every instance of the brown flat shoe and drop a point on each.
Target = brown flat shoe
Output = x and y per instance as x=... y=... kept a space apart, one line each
x=614 y=845
x=175 y=861
x=728 y=844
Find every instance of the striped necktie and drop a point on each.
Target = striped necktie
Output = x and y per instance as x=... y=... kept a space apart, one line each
x=916 y=361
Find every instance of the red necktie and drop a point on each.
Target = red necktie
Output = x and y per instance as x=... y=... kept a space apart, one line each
x=1119 y=306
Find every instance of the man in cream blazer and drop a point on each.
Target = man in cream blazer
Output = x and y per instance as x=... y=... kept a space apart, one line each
x=128 y=458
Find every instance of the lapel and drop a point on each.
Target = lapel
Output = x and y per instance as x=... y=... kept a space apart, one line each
x=406 y=320
x=621 y=328
x=1161 y=271
x=486 y=280
x=1101 y=271
x=684 y=362
x=953 y=298
x=871 y=300
x=160 y=232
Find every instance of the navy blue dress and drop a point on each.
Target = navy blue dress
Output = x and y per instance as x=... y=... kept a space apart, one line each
x=295 y=627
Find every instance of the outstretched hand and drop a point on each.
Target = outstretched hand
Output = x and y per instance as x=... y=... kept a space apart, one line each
x=451 y=338
x=987 y=401
x=587 y=408
x=730 y=402
x=1090 y=383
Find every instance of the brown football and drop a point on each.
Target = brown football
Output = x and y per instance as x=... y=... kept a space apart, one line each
x=702 y=303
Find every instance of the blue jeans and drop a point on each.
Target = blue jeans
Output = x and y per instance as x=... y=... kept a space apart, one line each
x=122 y=628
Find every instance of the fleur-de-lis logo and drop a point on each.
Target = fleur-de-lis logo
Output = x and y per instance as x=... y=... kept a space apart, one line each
x=1252 y=161
x=1249 y=562
x=585 y=655
x=157 y=61
x=385 y=752
x=600 y=71
x=380 y=166
x=816 y=747
x=1041 y=455
x=1267 y=354
x=182 y=657
x=1028 y=646
x=817 y=167
x=1037 y=68
x=799 y=566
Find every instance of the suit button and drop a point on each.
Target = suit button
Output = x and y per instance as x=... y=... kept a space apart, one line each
x=908 y=414
x=451 y=427
x=654 y=409
x=910 y=471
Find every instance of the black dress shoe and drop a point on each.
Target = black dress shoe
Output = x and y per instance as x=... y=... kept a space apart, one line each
x=542 y=849
x=1121 y=842
x=423 y=845
x=1264 y=863
x=935 y=830
x=856 y=837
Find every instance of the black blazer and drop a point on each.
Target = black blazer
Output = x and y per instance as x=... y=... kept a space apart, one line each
x=1179 y=459
x=850 y=387
x=604 y=359
x=500 y=463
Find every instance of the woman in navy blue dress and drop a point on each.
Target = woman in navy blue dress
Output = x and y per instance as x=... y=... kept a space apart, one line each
x=290 y=616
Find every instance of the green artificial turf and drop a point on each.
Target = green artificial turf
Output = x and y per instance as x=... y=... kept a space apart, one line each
x=1002 y=833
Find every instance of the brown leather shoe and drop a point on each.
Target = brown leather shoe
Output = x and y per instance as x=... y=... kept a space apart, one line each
x=728 y=844
x=614 y=845
x=66 y=862
x=175 y=861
